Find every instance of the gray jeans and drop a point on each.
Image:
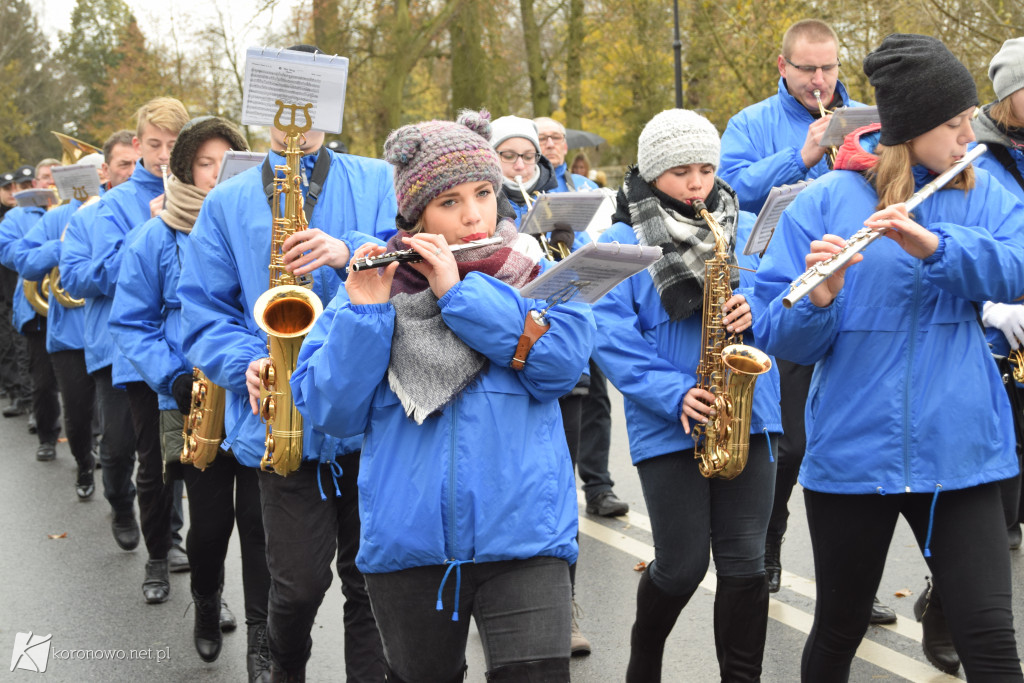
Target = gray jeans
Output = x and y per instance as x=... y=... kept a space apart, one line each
x=522 y=609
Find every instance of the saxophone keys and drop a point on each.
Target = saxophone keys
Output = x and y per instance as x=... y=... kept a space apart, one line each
x=267 y=410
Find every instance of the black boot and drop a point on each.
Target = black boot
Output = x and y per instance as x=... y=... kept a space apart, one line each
x=257 y=657
x=656 y=614
x=207 y=628
x=741 y=624
x=936 y=640
x=157 y=584
x=279 y=675
x=773 y=563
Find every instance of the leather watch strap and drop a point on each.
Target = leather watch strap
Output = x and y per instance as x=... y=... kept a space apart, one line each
x=533 y=330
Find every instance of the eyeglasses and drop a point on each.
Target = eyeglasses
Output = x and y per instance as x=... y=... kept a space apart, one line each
x=554 y=137
x=811 y=70
x=510 y=156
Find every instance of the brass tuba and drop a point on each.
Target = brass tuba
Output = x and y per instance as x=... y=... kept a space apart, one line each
x=286 y=311
x=727 y=369
x=204 y=425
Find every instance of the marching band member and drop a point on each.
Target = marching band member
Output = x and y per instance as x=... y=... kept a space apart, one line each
x=649 y=345
x=146 y=324
x=312 y=514
x=466 y=487
x=879 y=443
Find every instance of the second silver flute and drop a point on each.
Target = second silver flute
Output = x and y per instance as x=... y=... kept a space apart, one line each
x=411 y=255
x=856 y=243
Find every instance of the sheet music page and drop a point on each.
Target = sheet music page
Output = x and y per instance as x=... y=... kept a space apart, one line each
x=294 y=78
x=80 y=181
x=234 y=163
x=36 y=196
x=575 y=209
x=764 y=227
x=592 y=271
x=845 y=121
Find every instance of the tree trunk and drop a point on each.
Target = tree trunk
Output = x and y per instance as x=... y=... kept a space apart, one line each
x=325 y=26
x=540 y=93
x=470 y=66
x=574 y=67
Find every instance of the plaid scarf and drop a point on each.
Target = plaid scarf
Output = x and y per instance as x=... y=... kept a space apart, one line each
x=429 y=364
x=686 y=241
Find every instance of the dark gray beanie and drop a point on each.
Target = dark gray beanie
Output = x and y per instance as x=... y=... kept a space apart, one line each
x=1007 y=68
x=191 y=138
x=919 y=85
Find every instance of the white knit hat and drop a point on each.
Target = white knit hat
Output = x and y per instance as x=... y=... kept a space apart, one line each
x=514 y=127
x=1007 y=68
x=676 y=137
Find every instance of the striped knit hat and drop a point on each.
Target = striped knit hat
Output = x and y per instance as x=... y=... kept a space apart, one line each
x=435 y=156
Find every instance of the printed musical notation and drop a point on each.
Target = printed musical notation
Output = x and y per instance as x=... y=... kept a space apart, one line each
x=294 y=78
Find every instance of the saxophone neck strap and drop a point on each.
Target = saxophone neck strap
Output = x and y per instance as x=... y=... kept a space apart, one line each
x=1003 y=156
x=316 y=181
x=533 y=330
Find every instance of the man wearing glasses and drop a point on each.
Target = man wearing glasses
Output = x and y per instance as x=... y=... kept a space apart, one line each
x=777 y=141
x=553 y=145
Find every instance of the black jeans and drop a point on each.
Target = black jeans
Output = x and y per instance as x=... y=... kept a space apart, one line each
x=691 y=515
x=45 y=397
x=595 y=437
x=117 y=448
x=304 y=533
x=14 y=377
x=522 y=609
x=795 y=382
x=850 y=535
x=78 y=392
x=220 y=495
x=155 y=498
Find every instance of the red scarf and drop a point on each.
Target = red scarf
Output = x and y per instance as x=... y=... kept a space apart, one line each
x=851 y=156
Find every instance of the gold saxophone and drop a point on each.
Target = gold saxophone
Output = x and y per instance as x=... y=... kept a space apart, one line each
x=727 y=369
x=286 y=311
x=37 y=291
x=204 y=426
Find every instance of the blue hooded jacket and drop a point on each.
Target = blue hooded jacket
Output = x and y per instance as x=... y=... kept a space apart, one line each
x=225 y=271
x=905 y=396
x=653 y=360
x=487 y=479
x=35 y=255
x=76 y=278
x=16 y=224
x=579 y=181
x=145 y=318
x=761 y=147
x=122 y=210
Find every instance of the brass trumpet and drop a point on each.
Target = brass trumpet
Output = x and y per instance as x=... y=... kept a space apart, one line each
x=552 y=252
x=831 y=154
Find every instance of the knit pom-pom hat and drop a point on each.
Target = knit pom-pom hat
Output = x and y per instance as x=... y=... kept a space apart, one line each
x=191 y=138
x=676 y=137
x=434 y=156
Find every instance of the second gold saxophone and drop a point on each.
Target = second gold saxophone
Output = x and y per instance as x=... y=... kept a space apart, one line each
x=727 y=369
x=204 y=425
x=286 y=311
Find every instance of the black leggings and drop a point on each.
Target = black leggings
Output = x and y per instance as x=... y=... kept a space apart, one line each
x=850 y=535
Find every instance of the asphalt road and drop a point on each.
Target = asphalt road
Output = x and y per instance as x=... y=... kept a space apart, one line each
x=85 y=592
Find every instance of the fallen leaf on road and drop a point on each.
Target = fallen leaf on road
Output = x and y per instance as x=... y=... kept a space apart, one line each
x=903 y=593
x=52 y=536
x=640 y=566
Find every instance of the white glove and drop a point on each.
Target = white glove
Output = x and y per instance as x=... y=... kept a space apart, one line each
x=1007 y=318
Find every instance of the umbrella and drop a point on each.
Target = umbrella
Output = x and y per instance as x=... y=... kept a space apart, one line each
x=581 y=138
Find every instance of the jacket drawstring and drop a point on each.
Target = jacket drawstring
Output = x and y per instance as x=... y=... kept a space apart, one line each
x=457 y=566
x=336 y=472
x=931 y=521
x=768 y=438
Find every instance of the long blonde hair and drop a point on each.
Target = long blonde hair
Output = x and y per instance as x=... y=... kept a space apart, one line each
x=894 y=179
x=1002 y=113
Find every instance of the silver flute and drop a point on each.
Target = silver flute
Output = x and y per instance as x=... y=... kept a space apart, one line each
x=857 y=242
x=411 y=255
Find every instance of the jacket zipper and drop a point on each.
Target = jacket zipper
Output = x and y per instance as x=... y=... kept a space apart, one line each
x=909 y=374
x=451 y=481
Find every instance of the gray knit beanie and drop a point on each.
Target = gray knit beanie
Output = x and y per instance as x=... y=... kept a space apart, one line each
x=1007 y=68
x=514 y=127
x=919 y=85
x=676 y=137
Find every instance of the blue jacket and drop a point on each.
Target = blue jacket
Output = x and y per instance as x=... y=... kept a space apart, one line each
x=488 y=479
x=35 y=255
x=145 y=319
x=988 y=162
x=905 y=396
x=653 y=361
x=123 y=209
x=16 y=224
x=76 y=276
x=225 y=270
x=761 y=147
x=579 y=181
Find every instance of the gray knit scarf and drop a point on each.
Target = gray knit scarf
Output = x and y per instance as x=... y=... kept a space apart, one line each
x=181 y=205
x=686 y=243
x=430 y=365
